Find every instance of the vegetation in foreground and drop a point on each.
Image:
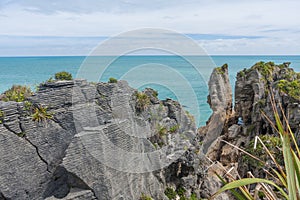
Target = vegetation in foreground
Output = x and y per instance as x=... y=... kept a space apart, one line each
x=283 y=180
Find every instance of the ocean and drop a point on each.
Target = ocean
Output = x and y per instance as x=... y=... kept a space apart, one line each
x=33 y=70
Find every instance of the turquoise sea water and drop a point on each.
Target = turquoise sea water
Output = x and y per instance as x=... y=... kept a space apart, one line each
x=33 y=70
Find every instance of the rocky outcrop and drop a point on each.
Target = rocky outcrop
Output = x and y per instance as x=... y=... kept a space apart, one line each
x=254 y=88
x=220 y=101
x=100 y=141
x=252 y=95
x=80 y=140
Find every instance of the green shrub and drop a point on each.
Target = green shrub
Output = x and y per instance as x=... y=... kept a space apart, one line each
x=193 y=197
x=17 y=93
x=155 y=93
x=27 y=105
x=63 y=76
x=41 y=114
x=273 y=143
x=112 y=80
x=292 y=88
x=22 y=134
x=242 y=73
x=174 y=128
x=142 y=101
x=1 y=116
x=180 y=191
x=170 y=193
x=145 y=197
x=221 y=70
x=51 y=79
x=266 y=69
x=161 y=130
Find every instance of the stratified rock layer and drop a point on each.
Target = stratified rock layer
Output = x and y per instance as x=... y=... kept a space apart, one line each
x=72 y=155
x=254 y=88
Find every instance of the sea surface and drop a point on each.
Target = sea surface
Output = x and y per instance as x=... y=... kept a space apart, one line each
x=33 y=70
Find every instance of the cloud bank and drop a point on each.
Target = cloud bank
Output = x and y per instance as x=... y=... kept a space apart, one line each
x=74 y=27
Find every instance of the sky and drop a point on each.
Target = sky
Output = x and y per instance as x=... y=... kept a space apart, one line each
x=221 y=27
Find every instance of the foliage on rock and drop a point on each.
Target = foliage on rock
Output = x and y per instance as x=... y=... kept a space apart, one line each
x=273 y=143
x=1 y=116
x=17 y=93
x=63 y=76
x=145 y=197
x=40 y=114
x=291 y=88
x=142 y=101
x=112 y=80
x=222 y=69
x=266 y=69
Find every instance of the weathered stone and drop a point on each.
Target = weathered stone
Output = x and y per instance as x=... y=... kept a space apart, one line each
x=22 y=173
x=220 y=100
x=61 y=164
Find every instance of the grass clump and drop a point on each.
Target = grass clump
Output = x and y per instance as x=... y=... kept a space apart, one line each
x=112 y=80
x=142 y=101
x=273 y=143
x=17 y=93
x=162 y=130
x=22 y=134
x=145 y=197
x=40 y=114
x=27 y=105
x=292 y=88
x=63 y=76
x=1 y=116
x=266 y=69
x=170 y=193
x=221 y=70
x=155 y=93
x=174 y=128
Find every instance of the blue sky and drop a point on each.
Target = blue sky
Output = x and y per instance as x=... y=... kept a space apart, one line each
x=222 y=27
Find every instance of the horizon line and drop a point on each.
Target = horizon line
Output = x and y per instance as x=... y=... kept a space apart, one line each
x=30 y=56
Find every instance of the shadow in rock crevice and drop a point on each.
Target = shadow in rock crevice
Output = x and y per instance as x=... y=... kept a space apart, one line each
x=62 y=182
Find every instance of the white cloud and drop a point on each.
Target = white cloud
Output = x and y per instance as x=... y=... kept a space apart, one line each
x=276 y=20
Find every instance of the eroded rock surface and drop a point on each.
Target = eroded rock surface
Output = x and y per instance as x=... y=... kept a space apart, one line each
x=254 y=88
x=73 y=154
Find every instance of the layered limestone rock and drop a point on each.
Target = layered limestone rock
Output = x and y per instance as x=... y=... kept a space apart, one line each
x=254 y=88
x=102 y=141
x=220 y=101
x=109 y=141
x=252 y=95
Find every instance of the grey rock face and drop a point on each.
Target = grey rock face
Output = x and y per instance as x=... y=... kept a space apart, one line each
x=72 y=155
x=220 y=100
x=23 y=174
x=252 y=97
